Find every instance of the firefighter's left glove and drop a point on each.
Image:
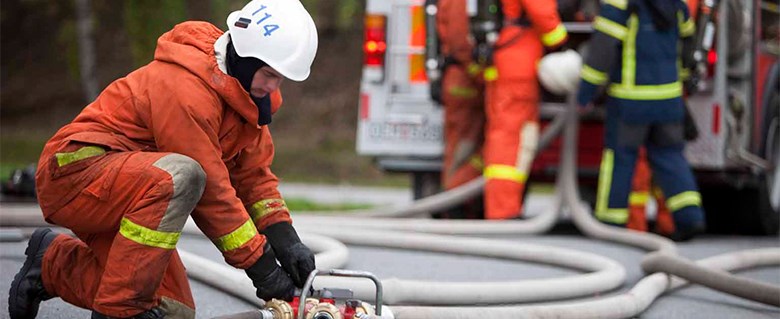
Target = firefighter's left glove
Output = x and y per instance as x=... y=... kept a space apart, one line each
x=294 y=256
x=269 y=279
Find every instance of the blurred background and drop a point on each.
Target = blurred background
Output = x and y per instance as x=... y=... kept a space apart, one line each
x=42 y=86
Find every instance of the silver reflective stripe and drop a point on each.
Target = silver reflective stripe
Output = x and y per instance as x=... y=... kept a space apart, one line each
x=189 y=181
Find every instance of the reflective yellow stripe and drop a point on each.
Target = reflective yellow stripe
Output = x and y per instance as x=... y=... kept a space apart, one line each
x=476 y=162
x=265 y=207
x=609 y=27
x=605 y=180
x=638 y=198
x=554 y=37
x=687 y=28
x=614 y=216
x=148 y=237
x=82 y=153
x=491 y=73
x=236 y=238
x=620 y=4
x=592 y=75
x=473 y=69
x=629 y=52
x=646 y=92
x=463 y=91
x=684 y=199
x=505 y=172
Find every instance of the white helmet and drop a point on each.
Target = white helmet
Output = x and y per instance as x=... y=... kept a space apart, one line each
x=281 y=33
x=559 y=72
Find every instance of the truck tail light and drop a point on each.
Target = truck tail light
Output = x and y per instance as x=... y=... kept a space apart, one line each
x=374 y=42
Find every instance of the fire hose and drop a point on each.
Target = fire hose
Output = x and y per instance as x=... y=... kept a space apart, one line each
x=603 y=271
x=624 y=305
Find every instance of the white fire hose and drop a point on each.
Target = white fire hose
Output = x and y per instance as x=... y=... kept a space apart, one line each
x=603 y=274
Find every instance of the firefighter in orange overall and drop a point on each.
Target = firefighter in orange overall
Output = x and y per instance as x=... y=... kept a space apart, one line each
x=184 y=136
x=512 y=98
x=464 y=114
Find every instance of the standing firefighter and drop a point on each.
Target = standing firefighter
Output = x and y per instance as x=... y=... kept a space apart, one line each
x=464 y=114
x=183 y=136
x=644 y=105
x=512 y=101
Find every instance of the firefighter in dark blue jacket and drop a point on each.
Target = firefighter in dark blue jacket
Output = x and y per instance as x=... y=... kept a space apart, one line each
x=636 y=56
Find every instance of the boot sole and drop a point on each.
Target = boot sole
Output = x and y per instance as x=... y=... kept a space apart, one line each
x=35 y=243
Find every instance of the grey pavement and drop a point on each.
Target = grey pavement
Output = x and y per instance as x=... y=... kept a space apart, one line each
x=690 y=302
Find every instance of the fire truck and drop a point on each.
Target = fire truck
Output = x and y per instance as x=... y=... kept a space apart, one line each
x=736 y=109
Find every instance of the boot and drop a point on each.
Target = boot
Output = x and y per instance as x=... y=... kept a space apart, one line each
x=27 y=290
x=154 y=313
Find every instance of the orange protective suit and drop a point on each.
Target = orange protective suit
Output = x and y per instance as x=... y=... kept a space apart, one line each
x=512 y=99
x=464 y=115
x=126 y=173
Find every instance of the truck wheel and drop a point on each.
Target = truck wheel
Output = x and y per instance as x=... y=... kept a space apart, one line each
x=769 y=188
x=425 y=184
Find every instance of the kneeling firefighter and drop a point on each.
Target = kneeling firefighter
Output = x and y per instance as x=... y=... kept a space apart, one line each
x=644 y=105
x=185 y=135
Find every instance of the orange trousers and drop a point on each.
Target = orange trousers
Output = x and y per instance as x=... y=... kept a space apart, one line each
x=512 y=130
x=641 y=190
x=464 y=122
x=102 y=269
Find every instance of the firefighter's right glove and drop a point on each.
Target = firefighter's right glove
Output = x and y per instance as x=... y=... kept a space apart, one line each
x=294 y=256
x=270 y=280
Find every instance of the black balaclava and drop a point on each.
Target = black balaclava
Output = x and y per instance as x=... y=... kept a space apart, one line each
x=244 y=69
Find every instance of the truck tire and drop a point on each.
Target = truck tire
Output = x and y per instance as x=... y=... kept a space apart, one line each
x=425 y=184
x=769 y=188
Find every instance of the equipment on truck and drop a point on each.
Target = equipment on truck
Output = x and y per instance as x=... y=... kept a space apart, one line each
x=735 y=157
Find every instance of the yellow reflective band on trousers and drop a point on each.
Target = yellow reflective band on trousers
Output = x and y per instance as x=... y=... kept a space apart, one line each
x=592 y=75
x=684 y=199
x=265 y=207
x=613 y=216
x=646 y=92
x=609 y=27
x=463 y=91
x=505 y=172
x=638 y=198
x=605 y=180
x=82 y=153
x=620 y=4
x=236 y=238
x=554 y=37
x=148 y=237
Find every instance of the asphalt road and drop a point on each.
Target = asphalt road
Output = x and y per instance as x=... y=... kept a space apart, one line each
x=690 y=302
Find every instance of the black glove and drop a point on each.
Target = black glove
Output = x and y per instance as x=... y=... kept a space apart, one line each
x=294 y=256
x=269 y=279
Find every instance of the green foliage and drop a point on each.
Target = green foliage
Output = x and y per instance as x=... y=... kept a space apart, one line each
x=147 y=20
x=348 y=10
x=302 y=205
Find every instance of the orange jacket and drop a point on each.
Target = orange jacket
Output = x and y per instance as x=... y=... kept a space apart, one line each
x=543 y=15
x=452 y=24
x=183 y=103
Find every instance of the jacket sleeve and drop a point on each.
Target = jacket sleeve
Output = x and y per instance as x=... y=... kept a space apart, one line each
x=687 y=31
x=453 y=27
x=257 y=185
x=186 y=120
x=546 y=21
x=609 y=31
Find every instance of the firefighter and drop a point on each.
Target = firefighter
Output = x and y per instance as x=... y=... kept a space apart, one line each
x=185 y=135
x=638 y=58
x=462 y=97
x=642 y=186
x=512 y=97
